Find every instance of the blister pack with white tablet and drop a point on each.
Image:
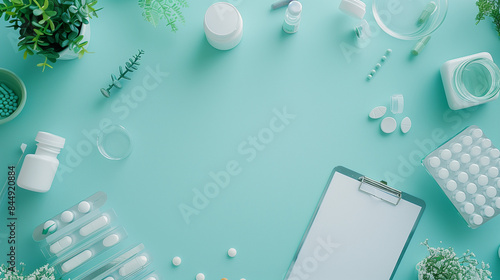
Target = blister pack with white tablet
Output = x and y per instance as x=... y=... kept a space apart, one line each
x=467 y=169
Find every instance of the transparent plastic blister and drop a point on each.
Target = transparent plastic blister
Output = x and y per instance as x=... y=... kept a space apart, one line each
x=70 y=218
x=89 y=251
x=467 y=169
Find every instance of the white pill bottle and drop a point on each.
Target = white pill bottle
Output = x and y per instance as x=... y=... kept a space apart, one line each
x=39 y=169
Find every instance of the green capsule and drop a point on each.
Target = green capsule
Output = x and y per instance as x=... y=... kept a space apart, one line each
x=426 y=13
x=420 y=45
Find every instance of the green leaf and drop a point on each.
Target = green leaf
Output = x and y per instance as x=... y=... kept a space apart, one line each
x=113 y=77
x=37 y=12
x=121 y=71
x=117 y=84
x=105 y=93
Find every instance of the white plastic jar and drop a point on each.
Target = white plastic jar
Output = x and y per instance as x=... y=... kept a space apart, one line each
x=470 y=80
x=223 y=26
x=39 y=169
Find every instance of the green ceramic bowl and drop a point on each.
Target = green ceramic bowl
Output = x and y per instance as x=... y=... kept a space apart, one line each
x=13 y=82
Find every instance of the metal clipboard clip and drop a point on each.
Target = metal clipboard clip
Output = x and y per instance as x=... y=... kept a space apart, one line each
x=379 y=190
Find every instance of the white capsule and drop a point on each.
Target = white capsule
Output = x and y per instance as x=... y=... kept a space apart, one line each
x=467 y=140
x=61 y=244
x=476 y=220
x=451 y=185
x=445 y=154
x=84 y=207
x=491 y=192
x=482 y=180
x=488 y=211
x=231 y=252
x=111 y=240
x=456 y=148
x=405 y=125
x=76 y=261
x=443 y=173
x=479 y=200
x=465 y=158
x=462 y=177
x=133 y=265
x=460 y=196
x=468 y=208
x=484 y=161
x=471 y=188
x=94 y=225
x=388 y=125
x=176 y=261
x=454 y=165
x=493 y=172
x=475 y=151
x=474 y=169
x=378 y=112
x=477 y=133
x=200 y=276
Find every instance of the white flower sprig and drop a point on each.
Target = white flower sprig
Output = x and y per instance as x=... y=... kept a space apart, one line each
x=43 y=273
x=444 y=264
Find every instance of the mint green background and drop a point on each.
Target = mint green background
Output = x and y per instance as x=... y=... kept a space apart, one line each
x=212 y=101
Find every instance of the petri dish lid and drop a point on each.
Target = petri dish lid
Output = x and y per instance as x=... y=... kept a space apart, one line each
x=409 y=19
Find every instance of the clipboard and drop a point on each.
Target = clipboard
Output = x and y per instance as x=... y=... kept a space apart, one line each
x=359 y=230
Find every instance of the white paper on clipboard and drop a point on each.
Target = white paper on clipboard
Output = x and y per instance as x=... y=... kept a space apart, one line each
x=355 y=235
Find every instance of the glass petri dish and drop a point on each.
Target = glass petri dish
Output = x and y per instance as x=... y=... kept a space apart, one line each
x=114 y=142
x=409 y=19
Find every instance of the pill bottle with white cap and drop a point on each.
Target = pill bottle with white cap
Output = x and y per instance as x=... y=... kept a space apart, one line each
x=292 y=17
x=39 y=169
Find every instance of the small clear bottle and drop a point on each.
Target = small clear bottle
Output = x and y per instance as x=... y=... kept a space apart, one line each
x=39 y=169
x=470 y=80
x=292 y=17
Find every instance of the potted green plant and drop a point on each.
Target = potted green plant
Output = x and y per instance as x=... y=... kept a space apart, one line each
x=53 y=29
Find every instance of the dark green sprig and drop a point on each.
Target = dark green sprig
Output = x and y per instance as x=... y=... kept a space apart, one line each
x=489 y=8
x=130 y=66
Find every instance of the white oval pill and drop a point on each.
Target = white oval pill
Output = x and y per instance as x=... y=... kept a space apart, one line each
x=465 y=158
x=67 y=216
x=378 y=112
x=445 y=154
x=491 y=192
x=493 y=172
x=486 y=143
x=456 y=148
x=482 y=180
x=405 y=125
x=61 y=244
x=94 y=225
x=476 y=220
x=84 y=207
x=443 y=173
x=451 y=185
x=488 y=211
x=176 y=261
x=477 y=133
x=462 y=177
x=468 y=208
x=471 y=188
x=460 y=196
x=475 y=151
x=388 y=125
x=474 y=169
x=434 y=162
x=454 y=165
x=480 y=200
x=111 y=240
x=76 y=261
x=50 y=226
x=484 y=161
x=231 y=252
x=467 y=140
x=133 y=265
x=495 y=153
x=200 y=276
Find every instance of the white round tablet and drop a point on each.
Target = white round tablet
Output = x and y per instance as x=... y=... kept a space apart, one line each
x=378 y=112
x=468 y=208
x=451 y=185
x=200 y=276
x=456 y=148
x=50 y=226
x=482 y=180
x=454 y=165
x=495 y=153
x=67 y=217
x=484 y=161
x=488 y=211
x=475 y=151
x=460 y=196
x=477 y=133
x=496 y=202
x=462 y=177
x=434 y=162
x=445 y=154
x=486 y=143
x=476 y=219
x=176 y=261
x=405 y=125
x=471 y=188
x=465 y=158
x=498 y=183
x=388 y=125
x=443 y=173
x=467 y=140
x=491 y=192
x=473 y=169
x=480 y=200
x=84 y=207
x=493 y=172
x=231 y=252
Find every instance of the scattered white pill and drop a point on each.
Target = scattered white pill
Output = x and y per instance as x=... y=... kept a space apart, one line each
x=493 y=172
x=67 y=216
x=475 y=151
x=486 y=143
x=111 y=240
x=491 y=192
x=467 y=140
x=474 y=169
x=456 y=148
x=498 y=183
x=231 y=252
x=405 y=125
x=488 y=211
x=443 y=173
x=454 y=165
x=369 y=77
x=477 y=133
x=397 y=104
x=84 y=207
x=176 y=261
x=479 y=200
x=462 y=177
x=496 y=202
x=495 y=153
x=50 y=226
x=445 y=154
x=378 y=112
x=476 y=219
x=388 y=52
x=451 y=185
x=434 y=162
x=471 y=188
x=468 y=208
x=460 y=196
x=200 y=276
x=484 y=161
x=482 y=180
x=388 y=125
x=465 y=158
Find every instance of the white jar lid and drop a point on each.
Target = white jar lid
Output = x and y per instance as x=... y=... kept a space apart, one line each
x=295 y=8
x=355 y=8
x=223 y=25
x=50 y=139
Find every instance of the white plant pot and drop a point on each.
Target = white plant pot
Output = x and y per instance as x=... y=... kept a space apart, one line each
x=68 y=54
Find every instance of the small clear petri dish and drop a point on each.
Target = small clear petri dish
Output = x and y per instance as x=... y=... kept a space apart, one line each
x=114 y=142
x=409 y=19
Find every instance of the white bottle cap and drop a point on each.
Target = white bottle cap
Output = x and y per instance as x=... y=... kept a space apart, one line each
x=50 y=139
x=295 y=8
x=355 y=8
x=223 y=26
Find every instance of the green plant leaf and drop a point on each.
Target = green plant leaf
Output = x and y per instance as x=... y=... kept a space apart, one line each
x=37 y=12
x=117 y=84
